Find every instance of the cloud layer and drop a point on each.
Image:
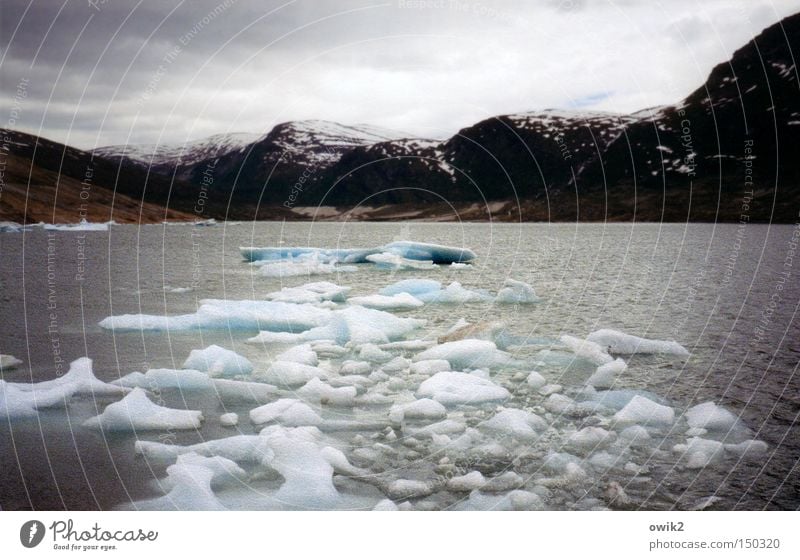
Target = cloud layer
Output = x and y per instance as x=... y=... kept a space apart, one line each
x=93 y=73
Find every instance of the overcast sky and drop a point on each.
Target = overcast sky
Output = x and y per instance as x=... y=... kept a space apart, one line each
x=97 y=73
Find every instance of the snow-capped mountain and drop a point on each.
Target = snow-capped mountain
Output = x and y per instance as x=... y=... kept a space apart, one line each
x=187 y=153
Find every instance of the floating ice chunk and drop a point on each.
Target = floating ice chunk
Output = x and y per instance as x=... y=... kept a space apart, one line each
x=353 y=367
x=453 y=388
x=303 y=267
x=385 y=505
x=218 y=362
x=301 y=354
x=420 y=409
x=400 y=301
x=604 y=375
x=458 y=266
x=751 y=448
x=396 y=365
x=327 y=349
x=699 y=453
x=313 y=292
x=229 y=419
x=618 y=342
x=447 y=426
x=504 y=482
x=516 y=500
x=429 y=367
x=586 y=349
x=617 y=399
x=535 y=380
x=559 y=404
x=162 y=378
x=454 y=293
x=641 y=410
x=222 y=468
x=391 y=261
x=317 y=392
x=241 y=448
x=373 y=354
x=191 y=490
x=514 y=291
x=292 y=373
x=137 y=412
x=710 y=416
x=308 y=476
x=83 y=225
x=412 y=286
x=468 y=353
x=516 y=423
x=79 y=380
x=364 y=325
x=231 y=390
x=228 y=314
x=635 y=434
x=473 y=480
x=440 y=254
x=550 y=389
x=15 y=403
x=589 y=439
x=254 y=254
x=286 y=412
x=404 y=489
x=7 y=361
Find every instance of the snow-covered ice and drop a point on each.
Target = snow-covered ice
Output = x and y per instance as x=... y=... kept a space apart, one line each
x=137 y=412
x=618 y=342
x=218 y=362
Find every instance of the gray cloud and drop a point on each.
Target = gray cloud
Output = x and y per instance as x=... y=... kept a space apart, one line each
x=126 y=71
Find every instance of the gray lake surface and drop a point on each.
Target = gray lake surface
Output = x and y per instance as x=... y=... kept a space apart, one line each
x=728 y=293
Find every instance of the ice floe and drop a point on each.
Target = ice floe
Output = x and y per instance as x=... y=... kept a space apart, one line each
x=137 y=412
x=218 y=362
x=617 y=342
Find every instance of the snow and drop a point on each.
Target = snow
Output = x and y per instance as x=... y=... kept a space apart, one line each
x=516 y=423
x=514 y=291
x=229 y=419
x=710 y=416
x=400 y=301
x=468 y=353
x=218 y=362
x=604 y=375
x=618 y=342
x=641 y=410
x=286 y=412
x=291 y=373
x=426 y=409
x=137 y=412
x=453 y=388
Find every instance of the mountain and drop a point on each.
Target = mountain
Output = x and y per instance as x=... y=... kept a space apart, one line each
x=44 y=181
x=166 y=156
x=726 y=151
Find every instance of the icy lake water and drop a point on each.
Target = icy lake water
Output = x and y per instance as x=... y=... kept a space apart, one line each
x=727 y=293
